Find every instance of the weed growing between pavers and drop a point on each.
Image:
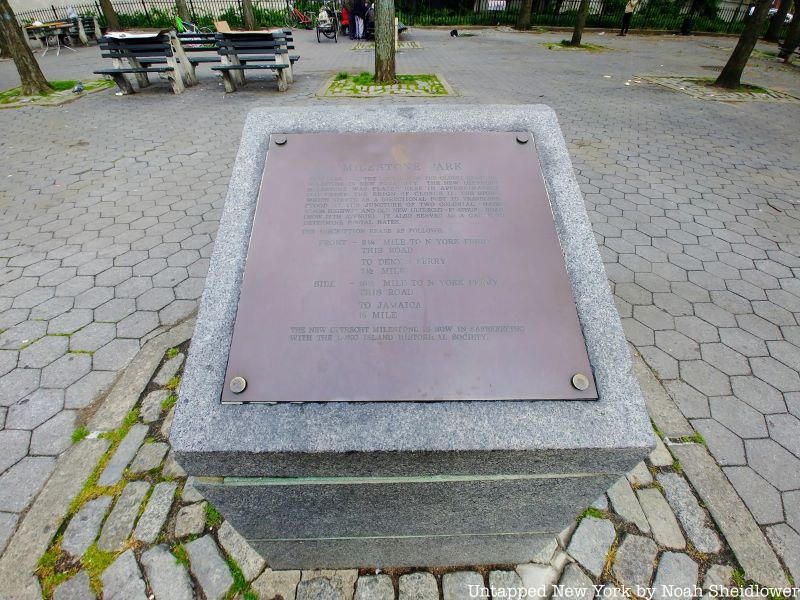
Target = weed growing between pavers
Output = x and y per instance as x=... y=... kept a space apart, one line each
x=213 y=518
x=80 y=433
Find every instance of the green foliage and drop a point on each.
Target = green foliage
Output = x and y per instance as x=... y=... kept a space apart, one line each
x=341 y=75
x=213 y=518
x=80 y=433
x=169 y=402
x=173 y=383
x=172 y=352
x=95 y=561
x=181 y=556
x=239 y=582
x=591 y=512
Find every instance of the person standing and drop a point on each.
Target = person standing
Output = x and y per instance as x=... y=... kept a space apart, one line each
x=359 y=12
x=630 y=8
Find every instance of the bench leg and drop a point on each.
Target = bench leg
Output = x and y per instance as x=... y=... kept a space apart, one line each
x=187 y=68
x=141 y=78
x=123 y=83
x=230 y=85
x=283 y=83
x=175 y=76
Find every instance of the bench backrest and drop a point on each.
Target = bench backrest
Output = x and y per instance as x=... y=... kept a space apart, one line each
x=157 y=45
x=260 y=43
x=198 y=42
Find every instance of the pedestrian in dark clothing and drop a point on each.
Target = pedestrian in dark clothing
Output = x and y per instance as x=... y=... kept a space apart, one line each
x=359 y=12
x=630 y=8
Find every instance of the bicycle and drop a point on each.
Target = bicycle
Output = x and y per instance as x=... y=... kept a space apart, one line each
x=327 y=24
x=295 y=18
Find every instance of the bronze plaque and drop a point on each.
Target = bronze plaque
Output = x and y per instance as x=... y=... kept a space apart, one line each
x=405 y=267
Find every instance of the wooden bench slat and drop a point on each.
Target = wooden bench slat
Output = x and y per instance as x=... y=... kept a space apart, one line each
x=132 y=70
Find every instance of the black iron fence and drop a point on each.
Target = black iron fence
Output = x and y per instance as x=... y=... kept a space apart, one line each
x=727 y=16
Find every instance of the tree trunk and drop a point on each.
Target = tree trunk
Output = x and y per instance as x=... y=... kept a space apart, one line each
x=524 y=17
x=112 y=20
x=248 y=16
x=4 y=51
x=792 y=39
x=776 y=24
x=384 y=42
x=580 y=23
x=30 y=74
x=183 y=10
x=731 y=75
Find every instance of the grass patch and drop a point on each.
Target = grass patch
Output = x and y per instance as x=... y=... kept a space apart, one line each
x=363 y=84
x=173 y=383
x=169 y=402
x=172 y=352
x=53 y=570
x=181 y=556
x=566 y=45
x=213 y=518
x=80 y=433
x=697 y=438
x=239 y=582
x=61 y=88
x=591 y=512
x=95 y=561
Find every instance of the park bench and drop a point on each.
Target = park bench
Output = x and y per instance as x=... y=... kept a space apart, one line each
x=242 y=51
x=143 y=53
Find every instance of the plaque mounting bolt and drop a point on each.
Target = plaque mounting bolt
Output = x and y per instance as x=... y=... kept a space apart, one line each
x=523 y=138
x=580 y=382
x=238 y=385
x=280 y=140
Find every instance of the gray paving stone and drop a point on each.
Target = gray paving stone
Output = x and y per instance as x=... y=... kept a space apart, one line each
x=675 y=571
x=149 y=457
x=66 y=370
x=70 y=321
x=190 y=493
x=120 y=521
x=168 y=578
x=504 y=584
x=92 y=337
x=705 y=378
x=123 y=579
x=626 y=505
x=660 y=456
x=318 y=588
x=123 y=455
x=277 y=583
x=785 y=429
x=8 y=522
x=738 y=417
x=761 y=498
x=115 y=355
x=691 y=516
x=169 y=370
x=731 y=516
x=575 y=584
x=191 y=520
x=155 y=514
x=20 y=484
x=774 y=463
x=635 y=560
x=343 y=579
x=418 y=586
x=590 y=543
x=661 y=518
x=88 y=389
x=171 y=468
x=43 y=351
x=75 y=588
x=640 y=475
x=458 y=585
x=84 y=526
x=538 y=577
x=208 y=567
x=776 y=374
x=692 y=403
x=137 y=325
x=374 y=587
x=249 y=561
x=786 y=542
x=16 y=385
x=718 y=576
x=14 y=443
x=150 y=409
x=54 y=436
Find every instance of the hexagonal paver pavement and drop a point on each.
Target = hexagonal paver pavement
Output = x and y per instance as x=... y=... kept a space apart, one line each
x=105 y=232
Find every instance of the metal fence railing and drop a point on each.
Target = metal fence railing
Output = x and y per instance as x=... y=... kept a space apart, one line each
x=652 y=14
